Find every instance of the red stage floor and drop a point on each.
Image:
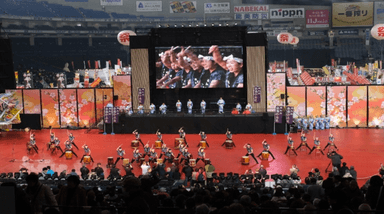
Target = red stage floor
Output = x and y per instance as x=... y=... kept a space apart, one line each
x=361 y=148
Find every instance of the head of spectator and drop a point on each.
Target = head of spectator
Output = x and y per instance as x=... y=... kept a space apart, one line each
x=73 y=181
x=202 y=209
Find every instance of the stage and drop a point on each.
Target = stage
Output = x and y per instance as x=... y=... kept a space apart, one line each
x=361 y=148
x=194 y=123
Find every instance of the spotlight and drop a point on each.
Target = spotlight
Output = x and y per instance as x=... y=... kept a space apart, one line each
x=182 y=25
x=213 y=24
x=175 y=25
x=159 y=26
x=189 y=25
x=205 y=24
x=197 y=25
x=220 y=24
x=235 y=23
x=226 y=24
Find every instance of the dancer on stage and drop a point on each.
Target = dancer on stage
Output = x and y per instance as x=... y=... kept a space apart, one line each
x=186 y=156
x=159 y=137
x=136 y=155
x=32 y=143
x=316 y=145
x=203 y=138
x=331 y=141
x=147 y=149
x=169 y=156
x=120 y=154
x=163 y=108
x=238 y=107
x=303 y=141
x=152 y=109
x=178 y=106
x=266 y=148
x=137 y=136
x=57 y=145
x=228 y=134
x=164 y=149
x=52 y=139
x=87 y=152
x=181 y=150
x=203 y=106
x=182 y=135
x=290 y=145
x=200 y=155
x=71 y=139
x=189 y=106
x=68 y=147
x=140 y=109
x=249 y=149
x=152 y=156
x=221 y=104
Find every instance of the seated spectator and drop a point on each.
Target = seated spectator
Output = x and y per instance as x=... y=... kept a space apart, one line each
x=279 y=196
x=99 y=171
x=84 y=172
x=353 y=172
x=72 y=196
x=39 y=194
x=246 y=111
x=234 y=111
x=114 y=173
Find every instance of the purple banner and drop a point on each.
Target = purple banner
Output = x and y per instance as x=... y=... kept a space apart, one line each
x=289 y=114
x=279 y=114
x=116 y=113
x=141 y=95
x=108 y=114
x=256 y=94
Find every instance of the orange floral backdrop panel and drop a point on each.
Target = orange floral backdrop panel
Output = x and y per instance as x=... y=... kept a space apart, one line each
x=357 y=106
x=108 y=92
x=50 y=108
x=86 y=105
x=122 y=88
x=18 y=96
x=68 y=107
x=336 y=105
x=316 y=101
x=376 y=106
x=296 y=98
x=275 y=87
x=32 y=101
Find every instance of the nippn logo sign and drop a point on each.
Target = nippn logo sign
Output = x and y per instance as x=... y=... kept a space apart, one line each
x=287 y=13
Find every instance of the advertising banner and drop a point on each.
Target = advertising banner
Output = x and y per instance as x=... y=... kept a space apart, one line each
x=182 y=7
x=379 y=13
x=287 y=13
x=108 y=114
x=141 y=95
x=352 y=14
x=116 y=112
x=251 y=12
x=111 y=2
x=279 y=114
x=256 y=94
x=317 y=18
x=289 y=114
x=222 y=7
x=149 y=6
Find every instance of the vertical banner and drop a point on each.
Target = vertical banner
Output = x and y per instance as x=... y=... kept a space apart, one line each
x=108 y=114
x=316 y=101
x=32 y=101
x=122 y=88
x=116 y=113
x=86 y=105
x=256 y=94
x=279 y=114
x=275 y=87
x=357 y=106
x=289 y=114
x=296 y=99
x=141 y=95
x=50 y=108
x=103 y=97
x=376 y=106
x=336 y=105
x=68 y=107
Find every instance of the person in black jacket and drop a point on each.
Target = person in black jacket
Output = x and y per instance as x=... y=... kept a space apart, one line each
x=187 y=170
x=336 y=159
x=84 y=172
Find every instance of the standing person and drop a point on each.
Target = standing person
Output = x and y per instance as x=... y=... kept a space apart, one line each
x=249 y=149
x=140 y=109
x=228 y=135
x=187 y=170
x=87 y=152
x=71 y=139
x=52 y=139
x=120 y=154
x=186 y=156
x=128 y=110
x=147 y=149
x=152 y=156
x=84 y=172
x=336 y=159
x=136 y=155
x=182 y=135
x=238 y=107
x=99 y=171
x=248 y=107
x=72 y=197
x=221 y=104
x=144 y=168
x=178 y=106
x=266 y=148
x=163 y=108
x=40 y=195
x=203 y=106
x=164 y=149
x=200 y=155
x=290 y=145
x=310 y=125
x=189 y=106
x=169 y=156
x=203 y=138
x=137 y=136
x=303 y=139
x=209 y=169
x=159 y=137
x=152 y=109
x=331 y=141
x=32 y=144
x=316 y=145
x=68 y=147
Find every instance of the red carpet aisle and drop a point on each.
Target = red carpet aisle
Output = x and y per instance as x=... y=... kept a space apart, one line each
x=362 y=148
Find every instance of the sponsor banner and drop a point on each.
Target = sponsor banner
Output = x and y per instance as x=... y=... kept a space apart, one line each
x=111 y=2
x=256 y=94
x=116 y=112
x=287 y=13
x=221 y=7
x=149 y=6
x=141 y=95
x=108 y=114
x=182 y=7
x=317 y=33
x=379 y=13
x=317 y=18
x=289 y=114
x=349 y=32
x=279 y=114
x=252 y=16
x=251 y=9
x=352 y=14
